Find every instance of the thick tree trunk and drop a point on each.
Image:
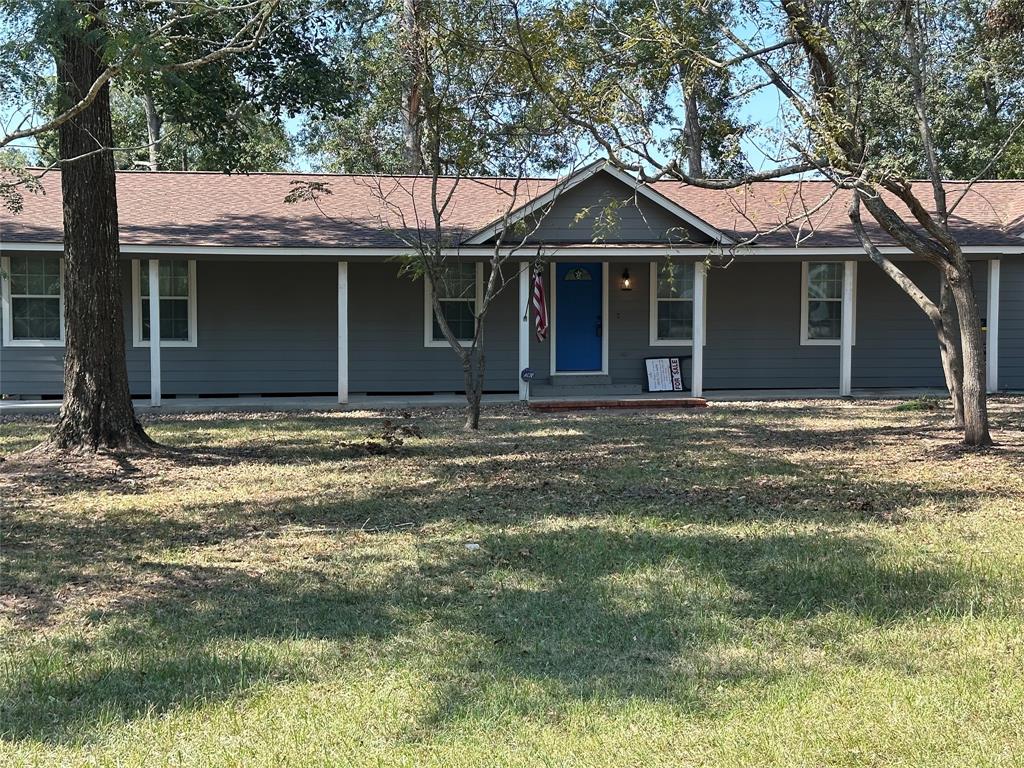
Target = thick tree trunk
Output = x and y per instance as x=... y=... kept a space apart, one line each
x=975 y=399
x=97 y=411
x=952 y=360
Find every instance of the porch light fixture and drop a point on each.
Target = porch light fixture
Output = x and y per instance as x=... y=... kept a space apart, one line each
x=627 y=283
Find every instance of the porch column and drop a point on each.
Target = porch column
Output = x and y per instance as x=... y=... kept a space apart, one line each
x=154 y=332
x=846 y=332
x=992 y=336
x=700 y=274
x=342 y=331
x=524 y=328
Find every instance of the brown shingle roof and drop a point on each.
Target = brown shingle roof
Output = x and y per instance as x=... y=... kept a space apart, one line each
x=785 y=213
x=213 y=209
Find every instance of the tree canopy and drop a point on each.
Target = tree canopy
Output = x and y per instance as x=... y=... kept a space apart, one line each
x=232 y=112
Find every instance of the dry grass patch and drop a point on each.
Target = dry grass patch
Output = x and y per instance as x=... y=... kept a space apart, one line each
x=774 y=584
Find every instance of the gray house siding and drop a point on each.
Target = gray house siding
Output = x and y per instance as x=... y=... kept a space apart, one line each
x=35 y=371
x=278 y=334
x=637 y=220
x=270 y=327
x=895 y=341
x=386 y=335
x=630 y=327
x=753 y=330
x=262 y=327
x=1011 y=324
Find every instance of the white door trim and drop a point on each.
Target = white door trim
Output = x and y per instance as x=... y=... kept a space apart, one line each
x=604 y=323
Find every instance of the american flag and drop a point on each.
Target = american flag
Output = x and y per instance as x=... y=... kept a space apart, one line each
x=540 y=305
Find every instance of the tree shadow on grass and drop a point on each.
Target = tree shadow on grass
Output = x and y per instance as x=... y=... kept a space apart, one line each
x=190 y=637
x=582 y=613
x=585 y=611
x=660 y=616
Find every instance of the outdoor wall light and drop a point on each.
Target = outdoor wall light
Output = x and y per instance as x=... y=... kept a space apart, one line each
x=627 y=283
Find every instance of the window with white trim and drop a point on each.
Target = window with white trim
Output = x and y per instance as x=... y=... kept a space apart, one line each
x=459 y=292
x=177 y=302
x=33 y=300
x=672 y=286
x=821 y=320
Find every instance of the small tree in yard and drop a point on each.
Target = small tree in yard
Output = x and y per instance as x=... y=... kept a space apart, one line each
x=474 y=113
x=872 y=98
x=435 y=256
x=434 y=253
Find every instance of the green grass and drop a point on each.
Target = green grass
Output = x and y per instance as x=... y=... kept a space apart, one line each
x=804 y=584
x=923 y=403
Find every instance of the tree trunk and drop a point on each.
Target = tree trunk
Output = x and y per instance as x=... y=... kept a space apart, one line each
x=941 y=316
x=692 y=134
x=154 y=128
x=97 y=411
x=474 y=391
x=472 y=374
x=412 y=92
x=974 y=397
x=952 y=360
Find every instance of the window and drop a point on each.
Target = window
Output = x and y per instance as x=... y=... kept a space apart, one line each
x=822 y=306
x=33 y=300
x=460 y=290
x=672 y=287
x=177 y=303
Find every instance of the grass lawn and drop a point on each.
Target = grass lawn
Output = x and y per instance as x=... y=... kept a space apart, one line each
x=800 y=584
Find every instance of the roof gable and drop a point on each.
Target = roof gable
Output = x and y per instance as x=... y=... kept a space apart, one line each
x=601 y=202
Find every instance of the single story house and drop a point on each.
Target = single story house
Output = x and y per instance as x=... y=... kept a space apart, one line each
x=761 y=287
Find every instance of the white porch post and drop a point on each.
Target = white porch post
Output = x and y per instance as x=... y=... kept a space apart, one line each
x=846 y=332
x=342 y=331
x=700 y=274
x=154 y=332
x=524 y=327
x=992 y=337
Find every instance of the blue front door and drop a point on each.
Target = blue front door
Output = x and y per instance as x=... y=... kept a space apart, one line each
x=578 y=317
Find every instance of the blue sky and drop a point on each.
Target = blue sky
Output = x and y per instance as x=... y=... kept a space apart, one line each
x=762 y=109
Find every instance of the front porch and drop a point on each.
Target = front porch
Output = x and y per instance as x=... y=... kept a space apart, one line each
x=353 y=331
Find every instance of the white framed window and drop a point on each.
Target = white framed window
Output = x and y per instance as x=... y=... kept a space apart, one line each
x=33 y=300
x=672 y=286
x=460 y=293
x=177 y=303
x=821 y=304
